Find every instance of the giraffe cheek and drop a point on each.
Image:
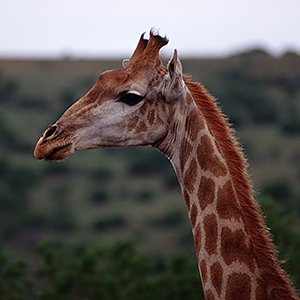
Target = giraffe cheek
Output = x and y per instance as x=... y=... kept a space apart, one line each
x=132 y=123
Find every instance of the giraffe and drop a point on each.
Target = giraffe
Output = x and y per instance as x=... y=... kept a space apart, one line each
x=146 y=103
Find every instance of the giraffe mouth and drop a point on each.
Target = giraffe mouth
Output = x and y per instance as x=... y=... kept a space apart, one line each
x=53 y=154
x=60 y=153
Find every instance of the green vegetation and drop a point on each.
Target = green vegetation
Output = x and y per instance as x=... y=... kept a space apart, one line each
x=110 y=193
x=122 y=271
x=286 y=236
x=117 y=271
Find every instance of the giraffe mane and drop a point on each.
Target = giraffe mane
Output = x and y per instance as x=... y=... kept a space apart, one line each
x=237 y=164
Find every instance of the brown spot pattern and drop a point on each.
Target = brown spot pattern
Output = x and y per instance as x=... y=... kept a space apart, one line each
x=211 y=233
x=209 y=295
x=185 y=152
x=203 y=270
x=261 y=292
x=193 y=124
x=191 y=176
x=216 y=273
x=238 y=286
x=206 y=192
x=159 y=120
x=272 y=295
x=132 y=123
x=197 y=238
x=234 y=248
x=194 y=215
x=151 y=116
x=208 y=160
x=141 y=127
x=227 y=205
x=143 y=109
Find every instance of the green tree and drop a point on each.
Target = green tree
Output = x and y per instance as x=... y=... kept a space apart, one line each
x=286 y=236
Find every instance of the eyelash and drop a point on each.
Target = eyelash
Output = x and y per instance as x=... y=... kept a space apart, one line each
x=130 y=99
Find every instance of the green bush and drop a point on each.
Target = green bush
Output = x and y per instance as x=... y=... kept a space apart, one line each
x=121 y=271
x=62 y=220
x=8 y=138
x=145 y=195
x=100 y=197
x=109 y=222
x=14 y=282
x=8 y=87
x=291 y=125
x=117 y=271
x=286 y=236
x=170 y=179
x=279 y=190
x=171 y=218
x=102 y=174
x=147 y=161
x=55 y=168
x=245 y=102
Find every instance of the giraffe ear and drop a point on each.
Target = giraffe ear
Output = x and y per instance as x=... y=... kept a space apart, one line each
x=174 y=66
x=175 y=87
x=125 y=62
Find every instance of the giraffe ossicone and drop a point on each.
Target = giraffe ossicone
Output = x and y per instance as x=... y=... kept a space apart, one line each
x=146 y=103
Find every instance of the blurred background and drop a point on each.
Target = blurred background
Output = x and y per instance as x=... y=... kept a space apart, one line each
x=51 y=53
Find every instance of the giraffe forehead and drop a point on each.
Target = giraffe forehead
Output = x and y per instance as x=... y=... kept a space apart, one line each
x=103 y=89
x=113 y=82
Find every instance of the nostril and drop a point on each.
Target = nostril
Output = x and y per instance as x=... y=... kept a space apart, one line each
x=50 y=131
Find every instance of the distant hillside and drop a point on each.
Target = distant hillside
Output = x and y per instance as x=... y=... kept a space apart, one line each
x=285 y=65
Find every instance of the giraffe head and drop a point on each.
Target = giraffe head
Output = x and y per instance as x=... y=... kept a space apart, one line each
x=125 y=107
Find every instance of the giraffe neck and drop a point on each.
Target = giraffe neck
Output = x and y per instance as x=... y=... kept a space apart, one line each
x=230 y=261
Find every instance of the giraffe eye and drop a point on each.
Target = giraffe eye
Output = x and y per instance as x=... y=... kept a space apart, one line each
x=130 y=98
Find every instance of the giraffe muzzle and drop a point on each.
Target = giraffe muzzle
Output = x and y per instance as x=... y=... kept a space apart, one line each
x=52 y=146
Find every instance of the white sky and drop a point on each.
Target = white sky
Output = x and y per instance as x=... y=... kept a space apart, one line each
x=97 y=28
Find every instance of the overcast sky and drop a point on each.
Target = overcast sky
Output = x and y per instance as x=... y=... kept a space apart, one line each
x=97 y=28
